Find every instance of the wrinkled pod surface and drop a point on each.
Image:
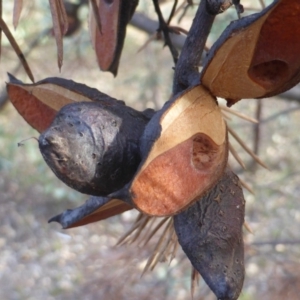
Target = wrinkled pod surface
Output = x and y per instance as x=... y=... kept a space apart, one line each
x=210 y=234
x=93 y=147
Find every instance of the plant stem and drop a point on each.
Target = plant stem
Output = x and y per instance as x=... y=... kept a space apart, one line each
x=186 y=71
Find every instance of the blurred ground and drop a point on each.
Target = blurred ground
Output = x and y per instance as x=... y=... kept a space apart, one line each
x=41 y=261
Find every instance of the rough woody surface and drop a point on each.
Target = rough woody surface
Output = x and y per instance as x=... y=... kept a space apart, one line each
x=210 y=233
x=93 y=147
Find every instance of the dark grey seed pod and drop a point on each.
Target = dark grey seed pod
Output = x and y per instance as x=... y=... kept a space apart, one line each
x=93 y=147
x=210 y=234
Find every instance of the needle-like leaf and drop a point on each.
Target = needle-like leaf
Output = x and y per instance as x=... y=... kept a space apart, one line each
x=246 y=148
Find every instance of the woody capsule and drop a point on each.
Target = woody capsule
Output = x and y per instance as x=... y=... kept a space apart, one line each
x=184 y=149
x=188 y=137
x=256 y=56
x=89 y=140
x=243 y=63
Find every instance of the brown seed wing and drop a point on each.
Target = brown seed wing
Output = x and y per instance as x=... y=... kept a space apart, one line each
x=38 y=103
x=36 y=113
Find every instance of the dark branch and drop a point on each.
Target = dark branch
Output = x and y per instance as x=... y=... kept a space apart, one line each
x=185 y=9
x=163 y=26
x=186 y=71
x=172 y=12
x=142 y=22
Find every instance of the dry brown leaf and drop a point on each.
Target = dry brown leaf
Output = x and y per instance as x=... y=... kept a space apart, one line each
x=60 y=26
x=63 y=16
x=96 y=14
x=18 y=4
x=107 y=27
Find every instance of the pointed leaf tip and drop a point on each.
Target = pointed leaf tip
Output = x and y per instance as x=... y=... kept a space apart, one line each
x=56 y=218
x=112 y=17
x=13 y=79
x=18 y=5
x=93 y=210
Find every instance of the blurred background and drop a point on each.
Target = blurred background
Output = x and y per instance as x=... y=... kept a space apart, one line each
x=41 y=261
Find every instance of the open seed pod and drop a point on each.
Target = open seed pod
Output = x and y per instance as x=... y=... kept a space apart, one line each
x=38 y=103
x=92 y=145
x=256 y=56
x=184 y=149
x=108 y=21
x=210 y=234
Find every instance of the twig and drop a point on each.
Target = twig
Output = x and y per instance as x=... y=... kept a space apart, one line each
x=172 y=12
x=185 y=9
x=257 y=128
x=186 y=71
x=144 y=23
x=31 y=47
x=279 y=114
x=163 y=26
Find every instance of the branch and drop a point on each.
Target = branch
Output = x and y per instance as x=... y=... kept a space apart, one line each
x=146 y=24
x=274 y=243
x=186 y=71
x=257 y=128
x=35 y=43
x=142 y=22
x=164 y=27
